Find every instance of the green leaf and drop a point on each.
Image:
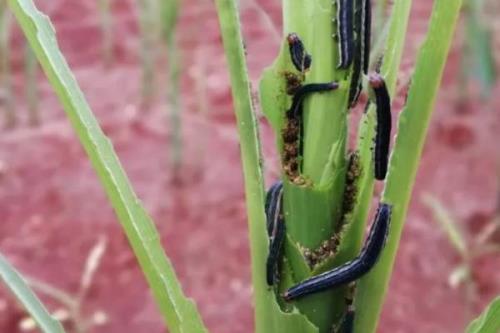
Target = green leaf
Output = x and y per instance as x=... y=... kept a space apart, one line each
x=488 y=321
x=28 y=299
x=391 y=46
x=179 y=312
x=268 y=315
x=412 y=129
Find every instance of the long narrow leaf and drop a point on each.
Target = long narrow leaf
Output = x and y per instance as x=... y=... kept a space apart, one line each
x=488 y=321
x=412 y=129
x=393 y=48
x=179 y=312
x=28 y=299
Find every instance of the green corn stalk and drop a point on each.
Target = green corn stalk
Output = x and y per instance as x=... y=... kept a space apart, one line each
x=312 y=211
x=5 y=72
x=324 y=162
x=170 y=10
x=31 y=89
x=320 y=205
x=106 y=23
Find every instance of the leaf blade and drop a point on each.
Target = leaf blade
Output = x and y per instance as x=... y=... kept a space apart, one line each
x=488 y=321
x=412 y=128
x=27 y=298
x=268 y=315
x=179 y=312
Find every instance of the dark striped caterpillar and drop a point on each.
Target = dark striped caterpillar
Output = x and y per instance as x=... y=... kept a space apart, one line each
x=384 y=124
x=300 y=58
x=345 y=32
x=362 y=28
x=351 y=270
x=275 y=230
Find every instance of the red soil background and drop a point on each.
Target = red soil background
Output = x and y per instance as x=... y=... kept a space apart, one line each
x=53 y=210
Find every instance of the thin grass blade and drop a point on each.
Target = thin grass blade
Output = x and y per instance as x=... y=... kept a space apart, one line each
x=447 y=223
x=179 y=312
x=15 y=282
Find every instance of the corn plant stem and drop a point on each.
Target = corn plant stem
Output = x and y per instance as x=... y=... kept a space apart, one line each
x=313 y=212
x=106 y=23
x=5 y=72
x=325 y=114
x=412 y=128
x=31 y=90
x=325 y=123
x=179 y=312
x=393 y=44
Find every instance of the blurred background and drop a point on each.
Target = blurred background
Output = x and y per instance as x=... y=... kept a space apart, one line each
x=157 y=81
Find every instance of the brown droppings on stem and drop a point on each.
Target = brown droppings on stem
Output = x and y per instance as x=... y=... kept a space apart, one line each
x=293 y=82
x=351 y=188
x=290 y=155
